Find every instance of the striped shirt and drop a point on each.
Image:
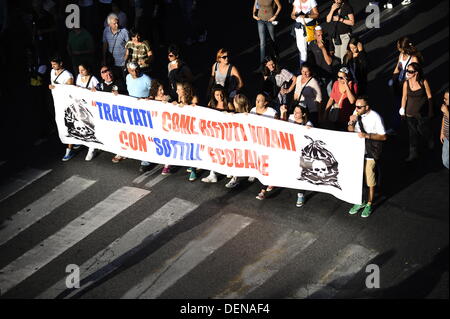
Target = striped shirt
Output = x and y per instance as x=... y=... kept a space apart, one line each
x=116 y=44
x=446 y=127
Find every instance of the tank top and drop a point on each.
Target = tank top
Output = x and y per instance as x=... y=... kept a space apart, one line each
x=266 y=8
x=417 y=102
x=220 y=77
x=402 y=65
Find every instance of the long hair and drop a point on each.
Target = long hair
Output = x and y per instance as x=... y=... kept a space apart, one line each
x=349 y=56
x=405 y=44
x=154 y=88
x=420 y=73
x=242 y=104
x=188 y=92
x=213 y=102
x=304 y=110
x=266 y=71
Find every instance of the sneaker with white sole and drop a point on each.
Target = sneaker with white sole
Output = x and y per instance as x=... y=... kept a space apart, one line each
x=212 y=178
x=232 y=183
x=69 y=154
x=90 y=154
x=300 y=200
x=251 y=179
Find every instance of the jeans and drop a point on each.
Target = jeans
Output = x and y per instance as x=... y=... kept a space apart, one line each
x=445 y=153
x=262 y=26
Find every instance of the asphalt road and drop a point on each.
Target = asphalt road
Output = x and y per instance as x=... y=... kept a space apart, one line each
x=169 y=238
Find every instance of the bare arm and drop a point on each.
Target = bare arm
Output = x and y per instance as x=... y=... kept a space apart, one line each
x=254 y=12
x=350 y=95
x=235 y=72
x=404 y=95
x=278 y=3
x=430 y=99
x=350 y=21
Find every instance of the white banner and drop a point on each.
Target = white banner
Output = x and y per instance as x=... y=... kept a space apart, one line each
x=276 y=152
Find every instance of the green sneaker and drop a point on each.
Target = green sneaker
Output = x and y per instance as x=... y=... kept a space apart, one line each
x=367 y=211
x=355 y=209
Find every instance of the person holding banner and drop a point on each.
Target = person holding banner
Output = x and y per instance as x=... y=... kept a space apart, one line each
x=111 y=85
x=186 y=96
x=88 y=81
x=157 y=94
x=241 y=104
x=138 y=86
x=300 y=117
x=262 y=108
x=369 y=125
x=219 y=101
x=59 y=75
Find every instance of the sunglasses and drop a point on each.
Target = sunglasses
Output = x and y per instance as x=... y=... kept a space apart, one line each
x=360 y=106
x=224 y=57
x=342 y=78
x=105 y=71
x=171 y=55
x=410 y=71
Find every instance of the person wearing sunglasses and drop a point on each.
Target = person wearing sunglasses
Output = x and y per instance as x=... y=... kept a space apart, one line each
x=417 y=107
x=111 y=85
x=225 y=74
x=341 y=102
x=369 y=125
x=178 y=71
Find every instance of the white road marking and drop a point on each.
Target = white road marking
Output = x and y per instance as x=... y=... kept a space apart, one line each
x=42 y=207
x=189 y=257
x=43 y=253
x=20 y=181
x=112 y=257
x=285 y=249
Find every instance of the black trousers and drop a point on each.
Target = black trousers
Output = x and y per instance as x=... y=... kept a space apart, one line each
x=419 y=132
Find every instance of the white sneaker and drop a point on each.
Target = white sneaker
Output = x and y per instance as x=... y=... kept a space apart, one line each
x=251 y=179
x=90 y=154
x=212 y=178
x=406 y=2
x=232 y=183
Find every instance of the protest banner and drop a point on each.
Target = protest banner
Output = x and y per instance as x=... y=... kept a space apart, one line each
x=276 y=152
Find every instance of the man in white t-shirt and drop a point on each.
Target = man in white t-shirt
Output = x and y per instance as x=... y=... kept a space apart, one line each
x=59 y=75
x=369 y=125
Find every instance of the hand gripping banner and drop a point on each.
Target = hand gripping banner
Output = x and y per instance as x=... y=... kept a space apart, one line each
x=276 y=152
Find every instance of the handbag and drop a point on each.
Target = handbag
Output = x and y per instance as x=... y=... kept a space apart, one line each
x=373 y=148
x=309 y=31
x=333 y=116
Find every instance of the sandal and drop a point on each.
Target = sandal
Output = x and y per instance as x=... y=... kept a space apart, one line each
x=116 y=159
x=261 y=195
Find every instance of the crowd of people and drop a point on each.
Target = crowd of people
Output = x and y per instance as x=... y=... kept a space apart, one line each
x=329 y=91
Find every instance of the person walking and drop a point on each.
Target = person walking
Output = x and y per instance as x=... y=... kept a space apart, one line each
x=305 y=14
x=369 y=125
x=225 y=74
x=114 y=41
x=417 y=107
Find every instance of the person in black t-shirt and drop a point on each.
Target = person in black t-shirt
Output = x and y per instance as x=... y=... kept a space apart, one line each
x=342 y=18
x=115 y=86
x=356 y=61
x=109 y=84
x=321 y=56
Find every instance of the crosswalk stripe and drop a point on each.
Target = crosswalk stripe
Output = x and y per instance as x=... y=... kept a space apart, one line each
x=286 y=248
x=20 y=181
x=112 y=257
x=43 y=253
x=346 y=265
x=147 y=174
x=42 y=207
x=156 y=180
x=196 y=251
